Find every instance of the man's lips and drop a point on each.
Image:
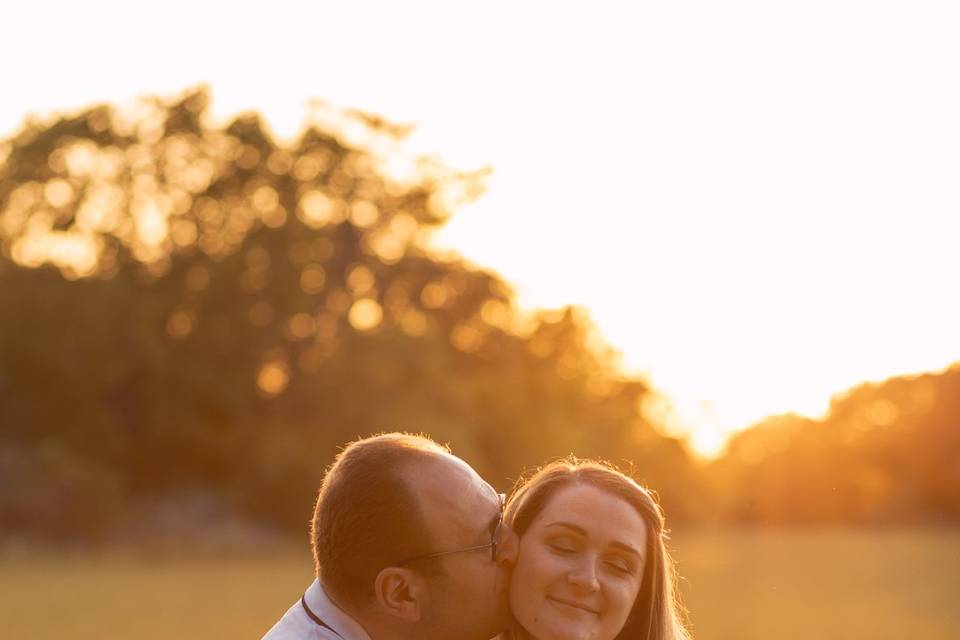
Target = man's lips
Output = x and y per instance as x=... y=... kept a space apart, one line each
x=574 y=604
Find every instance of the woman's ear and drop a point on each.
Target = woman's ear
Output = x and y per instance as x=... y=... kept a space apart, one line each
x=398 y=592
x=507 y=548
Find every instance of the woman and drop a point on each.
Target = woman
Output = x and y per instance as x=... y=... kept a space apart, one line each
x=591 y=563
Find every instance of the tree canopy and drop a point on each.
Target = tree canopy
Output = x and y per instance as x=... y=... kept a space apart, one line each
x=884 y=453
x=196 y=307
x=196 y=313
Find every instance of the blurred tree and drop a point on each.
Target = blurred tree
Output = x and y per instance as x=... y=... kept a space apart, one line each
x=193 y=307
x=886 y=452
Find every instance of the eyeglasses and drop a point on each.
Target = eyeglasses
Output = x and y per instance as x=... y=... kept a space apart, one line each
x=492 y=545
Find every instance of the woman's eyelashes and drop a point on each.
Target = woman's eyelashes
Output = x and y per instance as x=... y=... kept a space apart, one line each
x=563 y=546
x=620 y=566
x=569 y=547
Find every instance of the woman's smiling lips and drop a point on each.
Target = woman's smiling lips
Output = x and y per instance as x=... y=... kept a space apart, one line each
x=573 y=604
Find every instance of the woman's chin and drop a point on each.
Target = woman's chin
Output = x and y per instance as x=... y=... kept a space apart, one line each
x=564 y=630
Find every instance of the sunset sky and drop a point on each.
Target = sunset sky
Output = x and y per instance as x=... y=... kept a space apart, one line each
x=757 y=201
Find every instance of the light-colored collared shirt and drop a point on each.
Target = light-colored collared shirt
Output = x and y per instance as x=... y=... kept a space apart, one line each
x=297 y=624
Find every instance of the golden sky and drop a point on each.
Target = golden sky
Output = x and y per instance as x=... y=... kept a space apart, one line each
x=757 y=202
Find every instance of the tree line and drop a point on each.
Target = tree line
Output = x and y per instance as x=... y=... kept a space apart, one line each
x=194 y=311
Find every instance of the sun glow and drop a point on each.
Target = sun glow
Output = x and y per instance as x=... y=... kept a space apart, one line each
x=759 y=213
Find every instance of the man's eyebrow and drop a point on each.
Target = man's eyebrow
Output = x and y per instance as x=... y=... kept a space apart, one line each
x=623 y=546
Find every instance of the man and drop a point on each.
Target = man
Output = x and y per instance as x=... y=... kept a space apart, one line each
x=408 y=543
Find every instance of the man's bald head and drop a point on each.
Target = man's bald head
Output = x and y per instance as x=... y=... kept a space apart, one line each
x=368 y=514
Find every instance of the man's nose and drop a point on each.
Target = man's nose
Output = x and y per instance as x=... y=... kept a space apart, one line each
x=584 y=575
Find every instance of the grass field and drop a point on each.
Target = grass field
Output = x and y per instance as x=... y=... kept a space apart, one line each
x=752 y=585
x=827 y=585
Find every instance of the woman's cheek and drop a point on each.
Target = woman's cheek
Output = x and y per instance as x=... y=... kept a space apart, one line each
x=622 y=597
x=531 y=577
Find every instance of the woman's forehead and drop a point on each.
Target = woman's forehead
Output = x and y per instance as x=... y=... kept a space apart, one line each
x=590 y=511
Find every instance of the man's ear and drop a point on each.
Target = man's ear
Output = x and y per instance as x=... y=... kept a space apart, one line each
x=399 y=592
x=507 y=548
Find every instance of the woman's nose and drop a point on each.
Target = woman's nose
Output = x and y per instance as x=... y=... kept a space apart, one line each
x=584 y=576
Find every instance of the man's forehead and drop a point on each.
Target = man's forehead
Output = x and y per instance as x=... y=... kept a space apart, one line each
x=477 y=482
x=447 y=467
x=448 y=479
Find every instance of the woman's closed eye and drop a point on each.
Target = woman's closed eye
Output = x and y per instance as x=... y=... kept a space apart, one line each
x=562 y=546
x=620 y=566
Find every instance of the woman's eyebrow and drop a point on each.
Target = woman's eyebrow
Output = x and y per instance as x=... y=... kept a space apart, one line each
x=626 y=547
x=568 y=525
x=623 y=546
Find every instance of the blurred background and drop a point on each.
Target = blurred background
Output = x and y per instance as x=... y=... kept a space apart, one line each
x=713 y=245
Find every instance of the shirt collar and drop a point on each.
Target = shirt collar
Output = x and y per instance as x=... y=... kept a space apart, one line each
x=320 y=603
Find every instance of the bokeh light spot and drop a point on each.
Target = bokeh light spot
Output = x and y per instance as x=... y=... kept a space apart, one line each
x=338 y=301
x=279 y=163
x=365 y=314
x=316 y=209
x=273 y=378
x=364 y=214
x=312 y=278
x=883 y=413
x=301 y=326
x=360 y=280
x=306 y=168
x=197 y=176
x=414 y=323
x=466 y=338
x=385 y=245
x=58 y=193
x=265 y=199
x=495 y=313
x=275 y=218
x=434 y=295
x=181 y=324
x=248 y=157
x=80 y=159
x=24 y=196
x=151 y=221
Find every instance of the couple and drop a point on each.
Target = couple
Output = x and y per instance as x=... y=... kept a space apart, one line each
x=411 y=543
